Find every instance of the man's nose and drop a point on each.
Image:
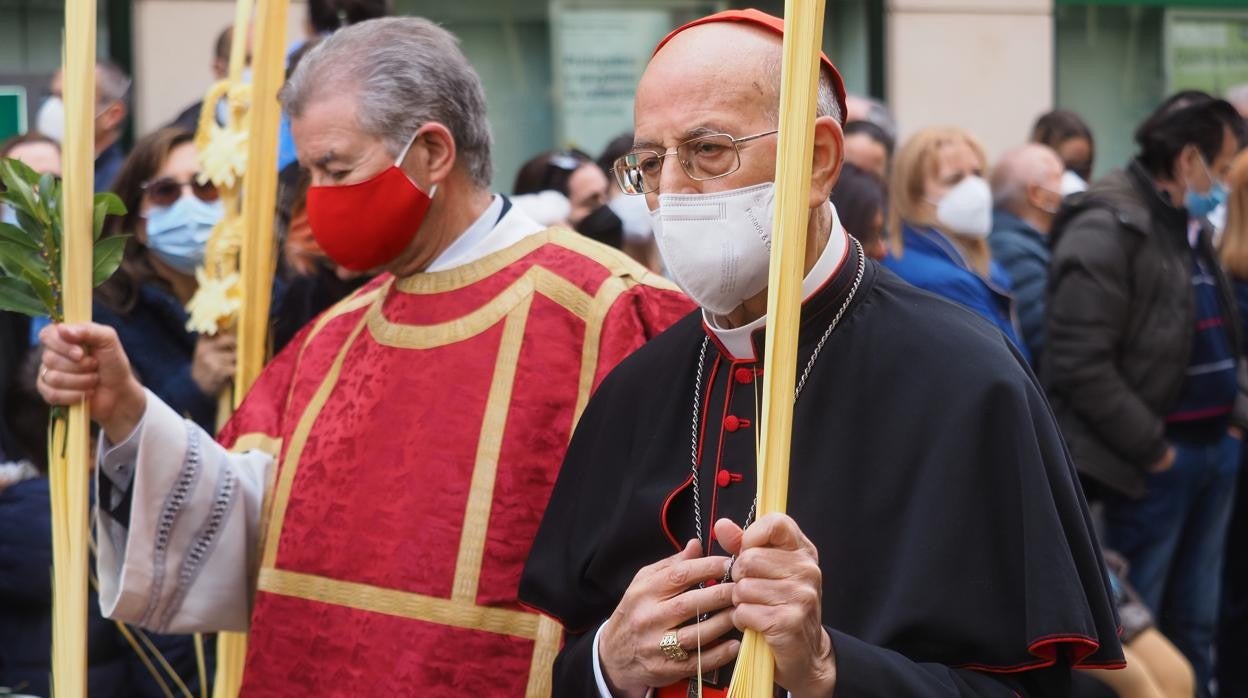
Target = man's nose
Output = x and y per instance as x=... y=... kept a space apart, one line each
x=674 y=180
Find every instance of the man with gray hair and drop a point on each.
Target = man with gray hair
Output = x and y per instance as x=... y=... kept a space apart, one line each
x=112 y=93
x=1026 y=191
x=369 y=508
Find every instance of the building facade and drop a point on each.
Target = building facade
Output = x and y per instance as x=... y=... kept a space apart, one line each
x=560 y=73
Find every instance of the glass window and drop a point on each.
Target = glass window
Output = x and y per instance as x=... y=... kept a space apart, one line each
x=562 y=73
x=30 y=48
x=1110 y=71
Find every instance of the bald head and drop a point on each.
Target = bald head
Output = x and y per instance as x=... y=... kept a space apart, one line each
x=722 y=78
x=736 y=55
x=1027 y=182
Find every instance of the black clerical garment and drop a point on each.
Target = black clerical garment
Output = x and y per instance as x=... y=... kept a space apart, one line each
x=955 y=543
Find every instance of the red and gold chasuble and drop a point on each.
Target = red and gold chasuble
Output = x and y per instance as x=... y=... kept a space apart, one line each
x=421 y=424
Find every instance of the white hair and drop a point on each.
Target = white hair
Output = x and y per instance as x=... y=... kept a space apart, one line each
x=111 y=82
x=1019 y=168
x=404 y=72
x=825 y=95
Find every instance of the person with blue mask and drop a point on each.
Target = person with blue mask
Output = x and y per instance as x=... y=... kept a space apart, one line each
x=1142 y=362
x=170 y=218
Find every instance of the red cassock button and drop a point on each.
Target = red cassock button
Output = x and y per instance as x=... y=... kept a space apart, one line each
x=745 y=375
x=732 y=423
x=722 y=478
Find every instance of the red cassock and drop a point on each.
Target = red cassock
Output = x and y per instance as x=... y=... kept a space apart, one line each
x=421 y=424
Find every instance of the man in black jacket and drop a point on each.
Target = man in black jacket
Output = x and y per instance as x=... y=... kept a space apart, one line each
x=1142 y=360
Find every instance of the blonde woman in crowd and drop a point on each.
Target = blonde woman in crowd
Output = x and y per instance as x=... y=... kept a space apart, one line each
x=939 y=219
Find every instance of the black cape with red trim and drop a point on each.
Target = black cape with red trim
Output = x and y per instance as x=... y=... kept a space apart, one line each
x=957 y=552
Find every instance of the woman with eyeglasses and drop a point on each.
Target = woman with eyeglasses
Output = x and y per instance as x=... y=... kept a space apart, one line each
x=170 y=217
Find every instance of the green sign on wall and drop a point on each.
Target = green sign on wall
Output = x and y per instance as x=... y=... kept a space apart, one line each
x=1206 y=50
x=12 y=111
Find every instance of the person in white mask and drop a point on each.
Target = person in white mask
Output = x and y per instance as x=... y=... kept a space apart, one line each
x=927 y=481
x=1070 y=136
x=1026 y=191
x=170 y=217
x=112 y=90
x=939 y=220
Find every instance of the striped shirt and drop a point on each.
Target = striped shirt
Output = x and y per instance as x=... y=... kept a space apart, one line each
x=1210 y=386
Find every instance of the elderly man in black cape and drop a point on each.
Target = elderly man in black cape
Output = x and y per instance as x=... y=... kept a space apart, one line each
x=937 y=543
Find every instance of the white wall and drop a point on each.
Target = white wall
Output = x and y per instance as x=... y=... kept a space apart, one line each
x=985 y=65
x=173 y=46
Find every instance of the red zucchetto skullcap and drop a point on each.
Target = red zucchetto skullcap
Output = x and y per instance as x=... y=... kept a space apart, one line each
x=773 y=24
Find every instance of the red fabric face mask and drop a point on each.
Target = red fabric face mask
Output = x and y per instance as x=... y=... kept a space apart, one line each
x=367 y=225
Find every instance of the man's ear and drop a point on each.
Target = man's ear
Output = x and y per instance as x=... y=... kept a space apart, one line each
x=827 y=157
x=1033 y=193
x=432 y=155
x=113 y=115
x=1185 y=165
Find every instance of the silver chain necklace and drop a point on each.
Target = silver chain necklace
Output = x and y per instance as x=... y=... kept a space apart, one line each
x=801 y=383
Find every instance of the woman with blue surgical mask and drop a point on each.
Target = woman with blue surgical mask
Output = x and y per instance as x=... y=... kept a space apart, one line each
x=939 y=219
x=171 y=215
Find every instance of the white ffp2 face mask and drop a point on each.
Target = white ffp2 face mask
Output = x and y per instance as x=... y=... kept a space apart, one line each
x=50 y=119
x=967 y=208
x=1072 y=183
x=717 y=247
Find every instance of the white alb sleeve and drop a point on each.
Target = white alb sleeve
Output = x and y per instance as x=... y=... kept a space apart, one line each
x=187 y=559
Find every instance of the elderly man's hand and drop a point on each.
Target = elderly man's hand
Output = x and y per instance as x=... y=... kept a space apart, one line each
x=659 y=600
x=87 y=361
x=777 y=592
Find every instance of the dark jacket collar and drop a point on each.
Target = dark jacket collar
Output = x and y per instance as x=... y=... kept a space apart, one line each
x=932 y=241
x=1133 y=198
x=1157 y=202
x=1004 y=222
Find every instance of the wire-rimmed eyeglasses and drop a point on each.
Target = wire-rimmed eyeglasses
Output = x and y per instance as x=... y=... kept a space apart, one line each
x=706 y=157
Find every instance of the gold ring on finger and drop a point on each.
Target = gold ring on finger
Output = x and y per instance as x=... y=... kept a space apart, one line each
x=670 y=645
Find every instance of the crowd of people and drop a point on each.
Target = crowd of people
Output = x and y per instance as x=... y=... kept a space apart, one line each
x=1122 y=300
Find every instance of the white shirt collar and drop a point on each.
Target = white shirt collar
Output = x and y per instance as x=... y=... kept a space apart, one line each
x=737 y=340
x=490 y=233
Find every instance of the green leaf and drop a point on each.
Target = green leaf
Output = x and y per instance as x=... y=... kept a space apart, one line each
x=33 y=226
x=42 y=288
x=58 y=205
x=23 y=171
x=21 y=181
x=106 y=205
x=48 y=193
x=18 y=297
x=47 y=187
x=108 y=254
x=15 y=259
x=17 y=236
